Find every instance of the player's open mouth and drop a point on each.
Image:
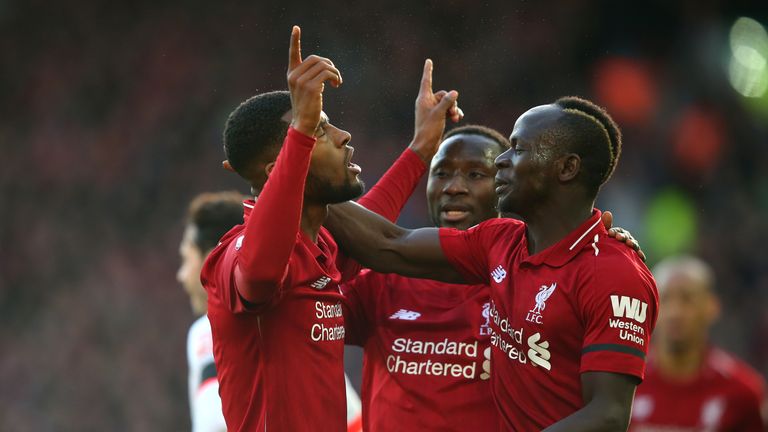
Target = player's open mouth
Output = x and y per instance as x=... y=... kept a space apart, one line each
x=353 y=167
x=450 y=213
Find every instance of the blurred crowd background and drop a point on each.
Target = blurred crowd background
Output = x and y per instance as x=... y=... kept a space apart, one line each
x=112 y=113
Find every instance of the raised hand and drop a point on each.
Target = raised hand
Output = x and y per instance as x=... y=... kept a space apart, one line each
x=431 y=112
x=306 y=81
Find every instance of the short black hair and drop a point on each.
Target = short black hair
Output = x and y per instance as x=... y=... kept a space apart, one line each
x=255 y=129
x=213 y=214
x=594 y=136
x=474 y=129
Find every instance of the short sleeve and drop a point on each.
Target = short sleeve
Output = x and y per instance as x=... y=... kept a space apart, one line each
x=358 y=301
x=619 y=306
x=468 y=250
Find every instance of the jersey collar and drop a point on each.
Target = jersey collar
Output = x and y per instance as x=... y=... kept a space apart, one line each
x=566 y=249
x=248 y=208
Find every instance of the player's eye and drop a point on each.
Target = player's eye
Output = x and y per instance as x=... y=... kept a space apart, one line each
x=476 y=175
x=320 y=131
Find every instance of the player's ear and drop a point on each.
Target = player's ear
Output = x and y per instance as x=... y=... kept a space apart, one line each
x=227 y=166
x=268 y=168
x=568 y=167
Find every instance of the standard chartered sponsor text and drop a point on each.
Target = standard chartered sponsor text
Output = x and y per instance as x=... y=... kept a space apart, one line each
x=508 y=348
x=321 y=332
x=421 y=366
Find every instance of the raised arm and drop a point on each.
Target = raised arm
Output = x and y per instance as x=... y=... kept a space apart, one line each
x=391 y=192
x=387 y=248
x=270 y=232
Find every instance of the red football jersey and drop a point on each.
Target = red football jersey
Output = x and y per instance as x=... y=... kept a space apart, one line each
x=280 y=366
x=427 y=353
x=726 y=395
x=587 y=303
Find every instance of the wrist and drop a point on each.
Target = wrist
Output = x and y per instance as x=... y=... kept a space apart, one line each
x=301 y=137
x=304 y=128
x=424 y=148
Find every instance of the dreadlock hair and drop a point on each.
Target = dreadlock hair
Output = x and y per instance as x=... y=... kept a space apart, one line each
x=594 y=136
x=213 y=214
x=473 y=129
x=256 y=130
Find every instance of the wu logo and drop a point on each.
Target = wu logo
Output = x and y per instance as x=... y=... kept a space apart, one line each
x=320 y=283
x=534 y=315
x=628 y=307
x=404 y=314
x=498 y=274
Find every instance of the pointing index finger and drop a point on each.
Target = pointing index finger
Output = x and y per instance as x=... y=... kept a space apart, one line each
x=294 y=51
x=426 y=78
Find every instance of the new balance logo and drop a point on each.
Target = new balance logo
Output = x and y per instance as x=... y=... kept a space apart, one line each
x=498 y=274
x=405 y=315
x=539 y=352
x=320 y=283
x=628 y=307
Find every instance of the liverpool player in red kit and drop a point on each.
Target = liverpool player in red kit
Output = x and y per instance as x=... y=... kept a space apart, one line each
x=691 y=385
x=427 y=343
x=273 y=297
x=571 y=313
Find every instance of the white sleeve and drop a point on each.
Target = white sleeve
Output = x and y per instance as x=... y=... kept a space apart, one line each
x=354 y=406
x=206 y=412
x=204 y=400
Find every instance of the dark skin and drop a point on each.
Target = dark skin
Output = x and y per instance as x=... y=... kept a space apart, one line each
x=535 y=180
x=460 y=185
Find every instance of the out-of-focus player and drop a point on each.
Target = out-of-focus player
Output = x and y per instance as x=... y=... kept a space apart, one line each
x=209 y=216
x=571 y=314
x=273 y=296
x=691 y=385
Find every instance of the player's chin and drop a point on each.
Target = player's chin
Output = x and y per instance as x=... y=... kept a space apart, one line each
x=506 y=204
x=461 y=224
x=357 y=187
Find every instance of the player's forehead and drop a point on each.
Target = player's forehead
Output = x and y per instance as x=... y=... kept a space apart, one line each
x=466 y=149
x=535 y=121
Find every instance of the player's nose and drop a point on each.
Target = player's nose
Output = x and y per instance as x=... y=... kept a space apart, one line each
x=340 y=136
x=503 y=160
x=455 y=185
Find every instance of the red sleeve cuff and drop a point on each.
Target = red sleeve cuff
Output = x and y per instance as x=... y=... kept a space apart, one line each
x=614 y=362
x=301 y=138
x=413 y=160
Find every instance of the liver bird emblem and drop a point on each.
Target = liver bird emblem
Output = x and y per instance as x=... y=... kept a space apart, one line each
x=541 y=297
